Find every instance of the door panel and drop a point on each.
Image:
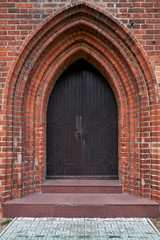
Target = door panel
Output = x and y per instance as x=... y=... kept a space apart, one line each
x=82 y=124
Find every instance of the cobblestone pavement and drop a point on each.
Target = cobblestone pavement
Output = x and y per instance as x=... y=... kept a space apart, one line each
x=81 y=229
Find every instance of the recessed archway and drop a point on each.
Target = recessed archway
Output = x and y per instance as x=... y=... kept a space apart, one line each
x=80 y=31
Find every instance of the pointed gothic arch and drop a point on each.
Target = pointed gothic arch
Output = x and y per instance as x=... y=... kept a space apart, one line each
x=79 y=30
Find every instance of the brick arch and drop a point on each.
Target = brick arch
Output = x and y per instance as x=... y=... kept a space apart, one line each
x=79 y=31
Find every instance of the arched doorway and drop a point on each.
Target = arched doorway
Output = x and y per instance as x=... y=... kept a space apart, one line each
x=97 y=37
x=82 y=125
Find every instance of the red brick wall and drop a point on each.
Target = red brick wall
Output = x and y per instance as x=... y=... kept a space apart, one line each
x=30 y=67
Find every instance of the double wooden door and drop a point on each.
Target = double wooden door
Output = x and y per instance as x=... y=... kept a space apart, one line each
x=82 y=125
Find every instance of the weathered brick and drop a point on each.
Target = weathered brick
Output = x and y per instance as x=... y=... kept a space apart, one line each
x=129 y=67
x=24 y=5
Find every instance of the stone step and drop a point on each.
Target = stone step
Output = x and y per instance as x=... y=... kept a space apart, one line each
x=81 y=205
x=82 y=186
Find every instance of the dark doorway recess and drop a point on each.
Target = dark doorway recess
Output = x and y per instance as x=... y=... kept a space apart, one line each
x=82 y=125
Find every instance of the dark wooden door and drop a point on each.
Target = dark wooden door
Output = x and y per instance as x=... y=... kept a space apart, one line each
x=82 y=124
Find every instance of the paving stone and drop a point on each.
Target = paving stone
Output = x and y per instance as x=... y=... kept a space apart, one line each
x=81 y=229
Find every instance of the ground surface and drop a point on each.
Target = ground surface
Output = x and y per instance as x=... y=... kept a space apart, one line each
x=81 y=229
x=156 y=222
x=3 y=220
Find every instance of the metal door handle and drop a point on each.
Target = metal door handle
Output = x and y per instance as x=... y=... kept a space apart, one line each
x=78 y=135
